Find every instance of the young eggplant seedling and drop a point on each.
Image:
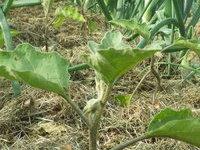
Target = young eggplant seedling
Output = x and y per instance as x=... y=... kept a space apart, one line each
x=110 y=59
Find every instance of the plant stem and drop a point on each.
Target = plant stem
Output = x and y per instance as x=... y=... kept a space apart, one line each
x=104 y=9
x=138 y=85
x=187 y=9
x=93 y=139
x=144 y=42
x=7 y=5
x=169 y=55
x=156 y=74
x=195 y=19
x=179 y=16
x=95 y=123
x=6 y=31
x=179 y=65
x=130 y=142
x=9 y=46
x=155 y=29
x=145 y=9
x=136 y=9
x=78 y=67
x=77 y=109
x=119 y=13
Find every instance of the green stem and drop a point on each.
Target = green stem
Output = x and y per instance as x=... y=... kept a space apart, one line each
x=119 y=9
x=144 y=42
x=7 y=5
x=179 y=65
x=187 y=9
x=6 y=31
x=156 y=74
x=136 y=9
x=145 y=9
x=93 y=139
x=162 y=24
x=195 y=18
x=165 y=22
x=104 y=9
x=179 y=16
x=78 y=67
x=76 y=108
x=92 y=6
x=132 y=37
x=130 y=142
x=95 y=123
x=169 y=55
x=129 y=10
x=138 y=85
x=9 y=46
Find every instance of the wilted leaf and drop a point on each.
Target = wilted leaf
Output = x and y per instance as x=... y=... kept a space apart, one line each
x=113 y=58
x=46 y=71
x=68 y=12
x=140 y=28
x=179 y=125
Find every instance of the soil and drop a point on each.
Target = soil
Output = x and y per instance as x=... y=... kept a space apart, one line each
x=39 y=120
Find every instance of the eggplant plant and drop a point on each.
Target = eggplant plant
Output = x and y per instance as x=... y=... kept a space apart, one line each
x=110 y=59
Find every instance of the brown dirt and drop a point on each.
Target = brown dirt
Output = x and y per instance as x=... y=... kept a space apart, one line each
x=43 y=121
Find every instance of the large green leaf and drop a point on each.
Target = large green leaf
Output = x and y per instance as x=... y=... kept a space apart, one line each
x=113 y=58
x=180 y=125
x=26 y=63
x=139 y=28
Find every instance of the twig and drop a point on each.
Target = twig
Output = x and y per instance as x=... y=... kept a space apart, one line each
x=136 y=88
x=130 y=142
x=155 y=73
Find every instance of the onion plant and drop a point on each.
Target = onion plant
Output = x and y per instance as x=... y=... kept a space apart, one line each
x=179 y=16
